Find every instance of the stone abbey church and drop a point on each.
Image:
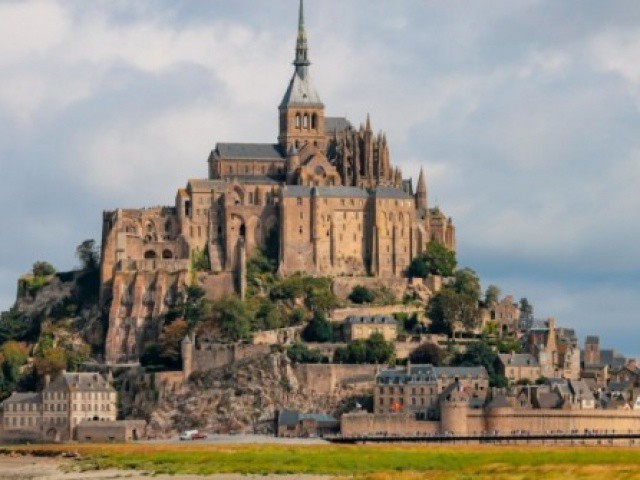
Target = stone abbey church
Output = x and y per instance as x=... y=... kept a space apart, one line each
x=327 y=188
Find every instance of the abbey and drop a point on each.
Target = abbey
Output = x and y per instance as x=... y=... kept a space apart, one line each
x=327 y=190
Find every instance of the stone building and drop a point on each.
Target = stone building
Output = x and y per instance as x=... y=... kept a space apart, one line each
x=517 y=367
x=326 y=191
x=361 y=327
x=555 y=349
x=62 y=405
x=505 y=314
x=418 y=388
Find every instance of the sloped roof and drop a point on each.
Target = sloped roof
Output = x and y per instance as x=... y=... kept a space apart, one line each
x=390 y=192
x=338 y=192
x=81 y=382
x=301 y=91
x=549 y=400
x=288 y=418
x=333 y=124
x=518 y=359
x=499 y=401
x=250 y=151
x=373 y=319
x=26 y=397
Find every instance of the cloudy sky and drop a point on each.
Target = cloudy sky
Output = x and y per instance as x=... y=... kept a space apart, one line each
x=525 y=115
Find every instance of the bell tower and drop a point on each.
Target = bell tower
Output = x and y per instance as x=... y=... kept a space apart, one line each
x=301 y=110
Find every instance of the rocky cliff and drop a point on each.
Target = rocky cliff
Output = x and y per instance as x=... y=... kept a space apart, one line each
x=243 y=397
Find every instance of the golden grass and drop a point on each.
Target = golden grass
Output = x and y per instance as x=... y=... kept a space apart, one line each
x=375 y=462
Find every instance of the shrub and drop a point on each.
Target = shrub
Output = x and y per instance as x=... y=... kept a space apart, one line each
x=300 y=353
x=42 y=269
x=319 y=329
x=427 y=353
x=361 y=294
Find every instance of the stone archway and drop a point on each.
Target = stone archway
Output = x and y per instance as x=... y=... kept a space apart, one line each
x=53 y=435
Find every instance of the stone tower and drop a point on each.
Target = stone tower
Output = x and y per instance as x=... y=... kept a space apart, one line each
x=188 y=344
x=301 y=110
x=421 y=192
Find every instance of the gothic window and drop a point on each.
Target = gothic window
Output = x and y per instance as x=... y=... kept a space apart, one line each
x=250 y=198
x=297 y=124
x=314 y=122
x=305 y=121
x=167 y=254
x=149 y=254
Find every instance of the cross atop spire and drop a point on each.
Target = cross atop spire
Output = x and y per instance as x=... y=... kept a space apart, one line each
x=302 y=51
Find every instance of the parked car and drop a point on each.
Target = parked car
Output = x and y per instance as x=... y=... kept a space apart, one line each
x=193 y=435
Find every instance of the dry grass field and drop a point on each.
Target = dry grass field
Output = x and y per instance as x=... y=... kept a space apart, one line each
x=401 y=462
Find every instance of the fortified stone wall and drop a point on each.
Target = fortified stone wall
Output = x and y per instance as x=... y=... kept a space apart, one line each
x=355 y=424
x=209 y=356
x=502 y=420
x=325 y=379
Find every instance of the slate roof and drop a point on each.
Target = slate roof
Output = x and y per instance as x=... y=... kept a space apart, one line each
x=612 y=358
x=81 y=382
x=518 y=359
x=340 y=192
x=296 y=191
x=332 y=124
x=253 y=179
x=250 y=151
x=288 y=418
x=548 y=400
x=428 y=374
x=301 y=91
x=318 y=417
x=26 y=397
x=592 y=339
x=201 y=184
x=390 y=192
x=372 y=319
x=581 y=390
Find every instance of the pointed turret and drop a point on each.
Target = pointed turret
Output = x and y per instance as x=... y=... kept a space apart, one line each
x=421 y=192
x=368 y=126
x=302 y=49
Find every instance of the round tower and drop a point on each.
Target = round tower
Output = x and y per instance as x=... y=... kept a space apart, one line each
x=453 y=412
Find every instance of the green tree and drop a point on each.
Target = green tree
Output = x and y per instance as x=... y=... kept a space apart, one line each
x=267 y=317
x=448 y=310
x=492 y=295
x=51 y=361
x=170 y=343
x=17 y=326
x=300 y=353
x=481 y=354
x=427 y=353
x=467 y=282
x=200 y=260
x=319 y=329
x=526 y=311
x=231 y=316
x=76 y=355
x=437 y=259
x=378 y=350
x=88 y=253
x=42 y=269
x=361 y=294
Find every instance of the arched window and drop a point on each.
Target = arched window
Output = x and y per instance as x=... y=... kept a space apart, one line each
x=297 y=120
x=305 y=121
x=149 y=255
x=314 y=121
x=167 y=254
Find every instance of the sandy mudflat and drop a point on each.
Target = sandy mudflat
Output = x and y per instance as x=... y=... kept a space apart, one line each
x=32 y=468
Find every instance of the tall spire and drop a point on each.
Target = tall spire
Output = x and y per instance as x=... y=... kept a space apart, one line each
x=302 y=51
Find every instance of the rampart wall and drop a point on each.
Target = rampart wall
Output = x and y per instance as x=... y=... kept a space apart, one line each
x=326 y=379
x=501 y=420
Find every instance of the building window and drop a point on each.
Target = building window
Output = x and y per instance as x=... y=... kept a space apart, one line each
x=297 y=122
x=305 y=121
x=299 y=201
